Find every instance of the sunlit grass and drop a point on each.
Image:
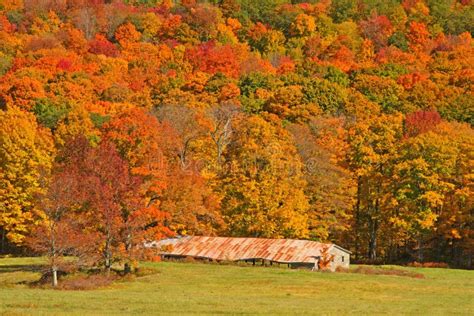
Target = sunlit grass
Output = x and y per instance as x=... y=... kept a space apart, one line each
x=194 y=288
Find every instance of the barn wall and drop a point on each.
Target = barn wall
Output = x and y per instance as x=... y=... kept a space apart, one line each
x=338 y=261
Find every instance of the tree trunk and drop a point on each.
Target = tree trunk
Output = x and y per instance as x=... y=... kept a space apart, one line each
x=373 y=239
x=127 y=268
x=2 y=243
x=107 y=259
x=54 y=272
x=420 y=250
x=357 y=218
x=107 y=265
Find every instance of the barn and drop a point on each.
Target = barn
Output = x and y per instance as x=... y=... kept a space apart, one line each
x=295 y=253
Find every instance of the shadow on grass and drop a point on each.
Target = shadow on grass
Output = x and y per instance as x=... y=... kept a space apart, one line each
x=22 y=268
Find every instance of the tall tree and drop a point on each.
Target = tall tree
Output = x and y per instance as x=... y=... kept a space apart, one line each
x=26 y=151
x=221 y=130
x=113 y=202
x=373 y=145
x=188 y=124
x=330 y=185
x=59 y=233
x=262 y=184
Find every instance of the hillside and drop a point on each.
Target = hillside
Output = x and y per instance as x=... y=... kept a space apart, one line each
x=337 y=121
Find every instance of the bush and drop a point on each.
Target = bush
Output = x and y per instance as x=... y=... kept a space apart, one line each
x=141 y=272
x=442 y=265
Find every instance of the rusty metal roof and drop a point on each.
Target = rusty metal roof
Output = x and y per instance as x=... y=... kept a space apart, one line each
x=235 y=249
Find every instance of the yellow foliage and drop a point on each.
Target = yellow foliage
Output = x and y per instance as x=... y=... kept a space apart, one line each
x=304 y=25
x=26 y=153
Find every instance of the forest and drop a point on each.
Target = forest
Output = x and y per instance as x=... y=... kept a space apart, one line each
x=344 y=121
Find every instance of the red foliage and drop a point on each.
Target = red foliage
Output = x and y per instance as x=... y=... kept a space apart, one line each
x=5 y=25
x=409 y=80
x=64 y=64
x=408 y=4
x=285 y=65
x=100 y=45
x=210 y=58
x=121 y=216
x=421 y=122
x=377 y=28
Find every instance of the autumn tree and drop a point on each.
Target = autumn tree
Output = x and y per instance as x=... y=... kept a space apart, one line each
x=421 y=122
x=428 y=176
x=330 y=189
x=26 y=151
x=304 y=25
x=58 y=233
x=378 y=29
x=112 y=201
x=188 y=124
x=146 y=144
x=373 y=145
x=263 y=183
x=221 y=130
x=193 y=207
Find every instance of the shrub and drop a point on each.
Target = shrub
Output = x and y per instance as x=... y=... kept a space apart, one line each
x=142 y=271
x=442 y=265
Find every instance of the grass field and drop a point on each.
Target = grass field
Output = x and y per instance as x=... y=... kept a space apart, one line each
x=193 y=288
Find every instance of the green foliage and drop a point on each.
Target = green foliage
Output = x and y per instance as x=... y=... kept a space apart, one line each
x=49 y=112
x=250 y=83
x=335 y=75
x=5 y=64
x=343 y=10
x=389 y=70
x=461 y=109
x=380 y=7
x=454 y=19
x=146 y=3
x=15 y=16
x=216 y=82
x=252 y=102
x=383 y=91
x=330 y=97
x=398 y=39
x=99 y=120
x=261 y=11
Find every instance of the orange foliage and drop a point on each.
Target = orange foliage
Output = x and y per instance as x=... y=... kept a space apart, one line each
x=212 y=59
x=377 y=94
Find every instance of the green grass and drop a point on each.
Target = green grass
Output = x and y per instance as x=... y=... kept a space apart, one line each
x=193 y=288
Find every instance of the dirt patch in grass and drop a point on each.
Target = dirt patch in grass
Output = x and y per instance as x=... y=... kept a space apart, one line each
x=89 y=280
x=382 y=271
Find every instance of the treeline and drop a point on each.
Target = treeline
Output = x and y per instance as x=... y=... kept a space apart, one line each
x=342 y=121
